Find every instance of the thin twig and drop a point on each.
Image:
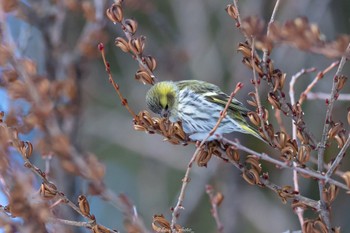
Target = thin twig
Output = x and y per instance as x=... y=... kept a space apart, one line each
x=338 y=159
x=316 y=79
x=272 y=19
x=279 y=120
x=114 y=84
x=185 y=180
x=282 y=164
x=326 y=96
x=322 y=145
x=257 y=95
x=299 y=211
x=214 y=207
x=267 y=183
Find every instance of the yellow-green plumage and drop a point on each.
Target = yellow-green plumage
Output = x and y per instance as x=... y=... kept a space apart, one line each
x=197 y=104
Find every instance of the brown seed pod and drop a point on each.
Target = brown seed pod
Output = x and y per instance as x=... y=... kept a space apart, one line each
x=297 y=204
x=280 y=139
x=304 y=154
x=346 y=177
x=253 y=161
x=245 y=50
x=203 y=158
x=232 y=11
x=330 y=193
x=115 y=13
x=340 y=138
x=254 y=118
x=143 y=76
x=137 y=45
x=122 y=44
x=130 y=26
x=251 y=176
x=160 y=224
x=271 y=97
x=335 y=129
x=84 y=205
x=100 y=229
x=48 y=191
x=232 y=154
x=150 y=62
x=341 y=79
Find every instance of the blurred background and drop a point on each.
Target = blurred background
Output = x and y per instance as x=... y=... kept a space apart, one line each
x=190 y=40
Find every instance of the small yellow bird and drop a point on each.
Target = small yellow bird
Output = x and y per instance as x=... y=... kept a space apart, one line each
x=197 y=104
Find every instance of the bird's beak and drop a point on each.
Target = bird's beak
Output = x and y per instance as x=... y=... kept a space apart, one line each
x=164 y=113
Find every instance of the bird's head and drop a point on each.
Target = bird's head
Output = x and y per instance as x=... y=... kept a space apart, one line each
x=161 y=98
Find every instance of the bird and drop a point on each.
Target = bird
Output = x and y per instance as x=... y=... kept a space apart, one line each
x=197 y=105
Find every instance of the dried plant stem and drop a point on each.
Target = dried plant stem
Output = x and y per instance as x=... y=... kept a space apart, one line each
x=322 y=145
x=325 y=96
x=257 y=95
x=338 y=159
x=279 y=120
x=299 y=211
x=114 y=84
x=272 y=19
x=316 y=79
x=276 y=188
x=186 y=179
x=214 y=205
x=282 y=164
x=239 y=22
x=138 y=57
x=72 y=223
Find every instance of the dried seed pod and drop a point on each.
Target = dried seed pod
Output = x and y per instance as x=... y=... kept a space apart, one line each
x=245 y=50
x=130 y=26
x=139 y=128
x=160 y=224
x=335 y=129
x=233 y=154
x=271 y=97
x=115 y=13
x=232 y=11
x=330 y=193
x=147 y=119
x=346 y=177
x=174 y=141
x=137 y=45
x=304 y=154
x=84 y=205
x=122 y=44
x=253 y=161
x=297 y=204
x=179 y=131
x=100 y=229
x=143 y=76
x=341 y=79
x=251 y=176
x=340 y=138
x=48 y=191
x=348 y=116
x=246 y=61
x=280 y=139
x=257 y=68
x=150 y=62
x=254 y=118
x=270 y=131
x=203 y=158
x=26 y=148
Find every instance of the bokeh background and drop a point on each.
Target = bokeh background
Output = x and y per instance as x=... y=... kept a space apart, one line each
x=190 y=40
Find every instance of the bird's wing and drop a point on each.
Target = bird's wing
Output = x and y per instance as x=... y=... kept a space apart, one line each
x=213 y=94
